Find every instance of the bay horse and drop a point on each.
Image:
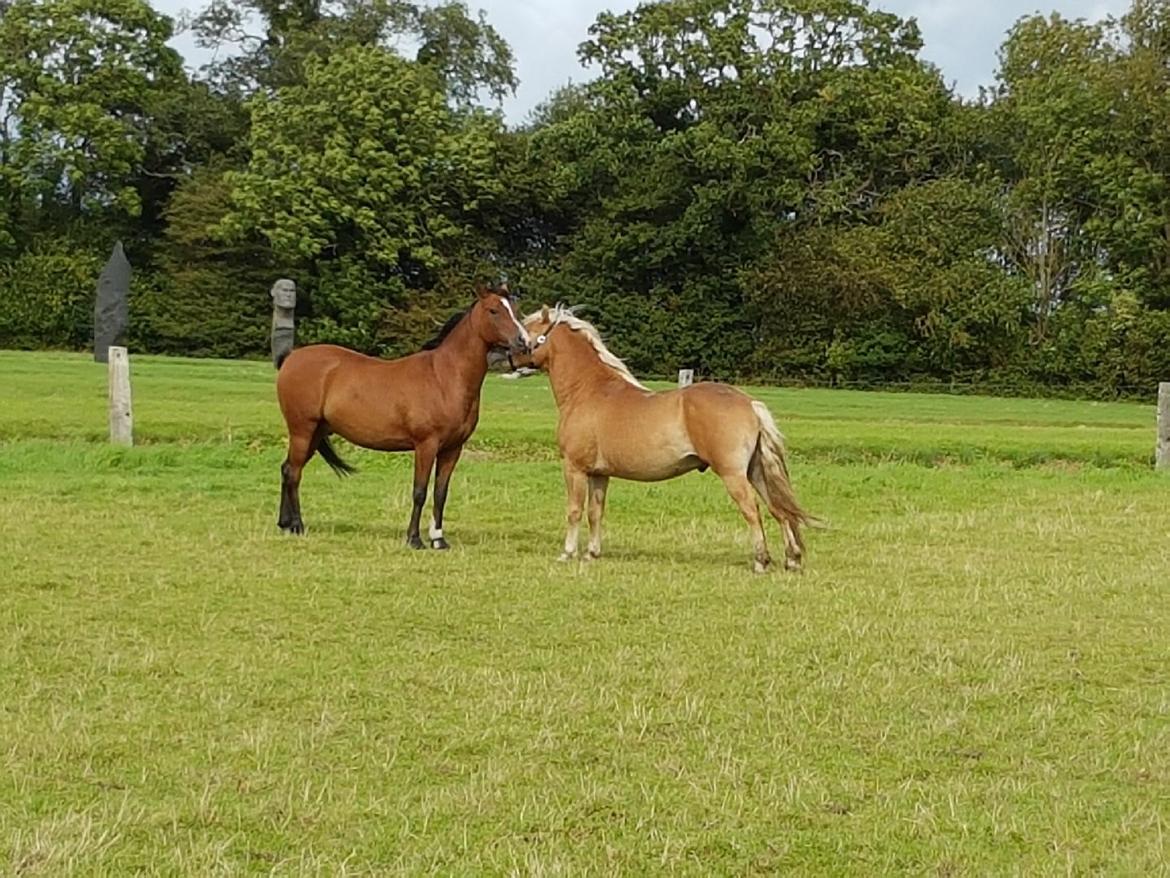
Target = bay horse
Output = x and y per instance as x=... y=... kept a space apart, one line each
x=427 y=402
x=611 y=426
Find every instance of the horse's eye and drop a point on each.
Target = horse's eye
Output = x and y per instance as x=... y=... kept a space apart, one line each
x=493 y=311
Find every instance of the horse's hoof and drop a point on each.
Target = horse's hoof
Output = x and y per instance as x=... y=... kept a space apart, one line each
x=415 y=543
x=592 y=555
x=296 y=528
x=793 y=564
x=760 y=566
x=440 y=543
x=564 y=556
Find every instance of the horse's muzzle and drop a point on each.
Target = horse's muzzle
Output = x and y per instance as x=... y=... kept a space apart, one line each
x=520 y=345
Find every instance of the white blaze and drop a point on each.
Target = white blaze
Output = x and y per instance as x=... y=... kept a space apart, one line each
x=512 y=314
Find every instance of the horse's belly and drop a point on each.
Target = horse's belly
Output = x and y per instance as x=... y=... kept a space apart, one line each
x=391 y=429
x=655 y=472
x=376 y=440
x=647 y=462
x=378 y=433
x=388 y=443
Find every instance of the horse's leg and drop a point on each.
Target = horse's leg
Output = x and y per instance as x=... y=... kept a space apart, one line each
x=284 y=519
x=424 y=460
x=597 y=488
x=793 y=554
x=301 y=445
x=741 y=492
x=444 y=467
x=576 y=485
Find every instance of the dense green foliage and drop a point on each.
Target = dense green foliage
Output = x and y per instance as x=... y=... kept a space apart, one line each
x=765 y=188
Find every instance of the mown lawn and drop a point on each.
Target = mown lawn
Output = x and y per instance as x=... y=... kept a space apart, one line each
x=972 y=677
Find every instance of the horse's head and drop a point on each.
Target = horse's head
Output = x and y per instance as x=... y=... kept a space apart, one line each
x=538 y=326
x=495 y=320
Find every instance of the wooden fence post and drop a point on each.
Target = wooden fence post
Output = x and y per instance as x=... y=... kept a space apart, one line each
x=121 y=414
x=1162 y=455
x=686 y=377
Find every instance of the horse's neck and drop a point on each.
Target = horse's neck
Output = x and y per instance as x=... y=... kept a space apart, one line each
x=462 y=358
x=577 y=373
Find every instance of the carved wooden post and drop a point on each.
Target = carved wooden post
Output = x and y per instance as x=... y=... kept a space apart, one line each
x=121 y=411
x=284 y=327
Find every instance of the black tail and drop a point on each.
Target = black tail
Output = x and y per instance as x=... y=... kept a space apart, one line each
x=280 y=358
x=325 y=449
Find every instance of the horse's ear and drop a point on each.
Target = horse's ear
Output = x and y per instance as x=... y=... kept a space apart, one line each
x=544 y=315
x=489 y=289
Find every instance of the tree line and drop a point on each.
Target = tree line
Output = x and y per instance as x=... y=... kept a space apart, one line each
x=779 y=190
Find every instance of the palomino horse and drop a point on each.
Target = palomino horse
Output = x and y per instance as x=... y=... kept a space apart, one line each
x=613 y=427
x=427 y=402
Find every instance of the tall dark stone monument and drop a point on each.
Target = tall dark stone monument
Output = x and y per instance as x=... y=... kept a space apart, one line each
x=111 y=313
x=284 y=303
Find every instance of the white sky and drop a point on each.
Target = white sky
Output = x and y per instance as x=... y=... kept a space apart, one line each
x=960 y=36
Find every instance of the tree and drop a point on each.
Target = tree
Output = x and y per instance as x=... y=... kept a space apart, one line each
x=194 y=128
x=714 y=124
x=1079 y=116
x=465 y=52
x=80 y=81
x=10 y=197
x=1053 y=110
x=918 y=291
x=210 y=295
x=366 y=178
x=1134 y=226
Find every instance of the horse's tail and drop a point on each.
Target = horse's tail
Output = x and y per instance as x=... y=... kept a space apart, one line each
x=326 y=450
x=280 y=358
x=768 y=471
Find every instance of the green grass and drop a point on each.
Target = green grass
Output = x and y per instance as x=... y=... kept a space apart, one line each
x=971 y=678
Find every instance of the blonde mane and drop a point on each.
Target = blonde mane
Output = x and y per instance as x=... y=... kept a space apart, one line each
x=565 y=315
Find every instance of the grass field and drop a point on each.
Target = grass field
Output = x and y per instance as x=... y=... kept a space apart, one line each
x=971 y=678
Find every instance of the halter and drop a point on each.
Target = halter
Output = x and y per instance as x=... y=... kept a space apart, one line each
x=558 y=314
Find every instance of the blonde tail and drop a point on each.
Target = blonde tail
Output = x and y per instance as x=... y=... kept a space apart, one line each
x=768 y=472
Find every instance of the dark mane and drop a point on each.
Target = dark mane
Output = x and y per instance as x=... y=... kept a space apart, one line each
x=451 y=323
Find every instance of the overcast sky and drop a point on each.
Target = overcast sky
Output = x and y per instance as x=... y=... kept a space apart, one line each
x=961 y=36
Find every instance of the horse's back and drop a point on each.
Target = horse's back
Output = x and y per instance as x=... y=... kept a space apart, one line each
x=708 y=403
x=308 y=373
x=324 y=356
